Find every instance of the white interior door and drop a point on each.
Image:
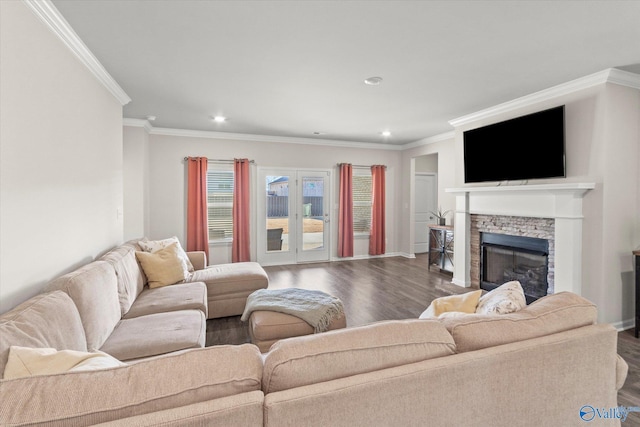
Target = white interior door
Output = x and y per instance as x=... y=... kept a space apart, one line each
x=426 y=188
x=293 y=212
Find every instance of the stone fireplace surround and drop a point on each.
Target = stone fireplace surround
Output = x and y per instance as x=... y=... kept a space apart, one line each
x=557 y=204
x=541 y=228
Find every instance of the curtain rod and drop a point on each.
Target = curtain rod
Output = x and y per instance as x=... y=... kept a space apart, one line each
x=359 y=166
x=220 y=160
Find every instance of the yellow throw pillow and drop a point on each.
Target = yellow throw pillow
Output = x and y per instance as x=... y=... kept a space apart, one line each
x=163 y=267
x=24 y=361
x=463 y=303
x=157 y=245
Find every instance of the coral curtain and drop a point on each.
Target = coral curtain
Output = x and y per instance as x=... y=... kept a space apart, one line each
x=377 y=237
x=197 y=216
x=240 y=248
x=345 y=213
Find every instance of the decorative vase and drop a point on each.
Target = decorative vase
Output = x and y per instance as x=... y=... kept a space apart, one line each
x=442 y=221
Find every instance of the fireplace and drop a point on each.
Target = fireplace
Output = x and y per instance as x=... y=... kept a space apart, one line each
x=504 y=258
x=552 y=211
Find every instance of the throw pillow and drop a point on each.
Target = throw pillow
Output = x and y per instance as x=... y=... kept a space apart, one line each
x=163 y=267
x=506 y=298
x=463 y=303
x=156 y=245
x=24 y=361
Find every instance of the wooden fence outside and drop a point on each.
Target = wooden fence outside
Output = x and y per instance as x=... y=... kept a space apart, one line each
x=278 y=206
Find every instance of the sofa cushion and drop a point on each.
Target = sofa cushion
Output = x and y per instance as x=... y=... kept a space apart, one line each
x=548 y=315
x=183 y=296
x=25 y=361
x=163 y=267
x=94 y=290
x=131 y=279
x=166 y=382
x=243 y=409
x=231 y=278
x=311 y=359
x=229 y=285
x=156 y=334
x=46 y=320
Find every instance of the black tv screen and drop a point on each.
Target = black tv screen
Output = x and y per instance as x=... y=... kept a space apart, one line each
x=527 y=147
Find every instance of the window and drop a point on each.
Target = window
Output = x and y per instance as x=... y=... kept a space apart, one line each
x=220 y=202
x=361 y=204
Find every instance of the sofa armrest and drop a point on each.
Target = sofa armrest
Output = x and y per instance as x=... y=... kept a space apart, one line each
x=198 y=259
x=92 y=397
x=622 y=369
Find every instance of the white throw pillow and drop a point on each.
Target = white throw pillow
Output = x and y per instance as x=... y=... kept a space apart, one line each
x=24 y=361
x=156 y=245
x=506 y=298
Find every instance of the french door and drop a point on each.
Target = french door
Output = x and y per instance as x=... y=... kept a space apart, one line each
x=293 y=216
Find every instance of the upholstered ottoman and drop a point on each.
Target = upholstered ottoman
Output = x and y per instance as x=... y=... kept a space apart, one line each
x=267 y=327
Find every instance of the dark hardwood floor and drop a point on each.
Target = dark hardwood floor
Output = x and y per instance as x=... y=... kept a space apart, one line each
x=629 y=395
x=390 y=289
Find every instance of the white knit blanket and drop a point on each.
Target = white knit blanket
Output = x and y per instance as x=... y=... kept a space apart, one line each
x=316 y=308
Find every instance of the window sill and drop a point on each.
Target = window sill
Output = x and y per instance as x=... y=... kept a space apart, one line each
x=361 y=236
x=221 y=242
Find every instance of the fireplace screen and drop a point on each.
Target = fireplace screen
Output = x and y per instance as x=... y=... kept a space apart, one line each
x=506 y=258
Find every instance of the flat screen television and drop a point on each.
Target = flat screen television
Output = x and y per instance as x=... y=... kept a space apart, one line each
x=527 y=147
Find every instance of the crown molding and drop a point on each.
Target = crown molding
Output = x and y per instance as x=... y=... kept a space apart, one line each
x=257 y=138
x=624 y=78
x=47 y=12
x=430 y=140
x=611 y=75
x=139 y=123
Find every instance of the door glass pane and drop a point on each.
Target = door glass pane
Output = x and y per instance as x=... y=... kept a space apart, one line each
x=313 y=214
x=277 y=213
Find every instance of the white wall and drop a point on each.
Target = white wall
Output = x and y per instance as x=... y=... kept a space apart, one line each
x=167 y=180
x=620 y=218
x=427 y=163
x=60 y=158
x=136 y=178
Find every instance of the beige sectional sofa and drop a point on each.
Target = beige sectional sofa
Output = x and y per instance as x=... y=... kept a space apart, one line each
x=537 y=366
x=120 y=315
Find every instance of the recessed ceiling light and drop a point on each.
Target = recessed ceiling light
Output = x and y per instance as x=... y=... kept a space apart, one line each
x=373 y=81
x=386 y=133
x=219 y=119
x=151 y=118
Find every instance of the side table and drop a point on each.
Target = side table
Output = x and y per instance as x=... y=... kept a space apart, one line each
x=441 y=247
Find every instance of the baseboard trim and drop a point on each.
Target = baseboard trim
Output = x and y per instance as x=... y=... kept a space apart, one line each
x=358 y=257
x=461 y=283
x=624 y=324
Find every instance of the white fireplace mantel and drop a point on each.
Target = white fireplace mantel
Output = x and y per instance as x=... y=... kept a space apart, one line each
x=562 y=202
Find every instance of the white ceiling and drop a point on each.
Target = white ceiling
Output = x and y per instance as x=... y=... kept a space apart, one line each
x=292 y=68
